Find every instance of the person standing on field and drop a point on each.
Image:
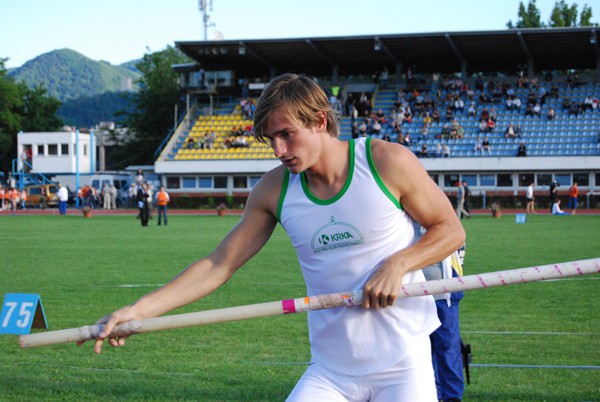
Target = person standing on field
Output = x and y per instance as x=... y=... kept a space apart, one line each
x=376 y=352
x=162 y=199
x=460 y=201
x=63 y=197
x=573 y=196
x=530 y=199
x=142 y=200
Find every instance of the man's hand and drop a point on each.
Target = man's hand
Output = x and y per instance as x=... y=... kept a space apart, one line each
x=382 y=289
x=110 y=321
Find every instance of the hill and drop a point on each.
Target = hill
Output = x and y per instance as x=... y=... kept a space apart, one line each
x=87 y=111
x=67 y=74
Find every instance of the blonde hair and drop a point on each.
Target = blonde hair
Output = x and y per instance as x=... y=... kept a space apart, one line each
x=300 y=98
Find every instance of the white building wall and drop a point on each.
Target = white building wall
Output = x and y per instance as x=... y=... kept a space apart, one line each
x=48 y=156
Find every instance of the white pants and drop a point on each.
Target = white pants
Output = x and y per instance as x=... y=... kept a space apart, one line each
x=411 y=380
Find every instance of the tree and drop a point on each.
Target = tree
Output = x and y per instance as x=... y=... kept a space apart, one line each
x=586 y=17
x=562 y=15
x=153 y=106
x=39 y=110
x=22 y=108
x=529 y=17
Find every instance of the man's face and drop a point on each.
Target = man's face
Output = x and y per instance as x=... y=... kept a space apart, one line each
x=296 y=146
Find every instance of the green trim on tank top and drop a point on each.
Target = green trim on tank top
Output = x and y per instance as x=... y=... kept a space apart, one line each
x=339 y=195
x=284 y=188
x=376 y=176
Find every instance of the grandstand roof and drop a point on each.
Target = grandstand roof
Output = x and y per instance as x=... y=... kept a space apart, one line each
x=444 y=52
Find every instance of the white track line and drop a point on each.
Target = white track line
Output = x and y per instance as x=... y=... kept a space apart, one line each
x=527 y=333
x=537 y=366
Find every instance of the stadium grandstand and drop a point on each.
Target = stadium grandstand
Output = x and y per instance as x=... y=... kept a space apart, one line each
x=553 y=72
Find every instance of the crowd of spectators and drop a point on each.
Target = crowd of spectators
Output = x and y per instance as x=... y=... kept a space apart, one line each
x=449 y=101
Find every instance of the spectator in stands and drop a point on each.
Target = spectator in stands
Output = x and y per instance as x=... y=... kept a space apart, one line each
x=445 y=151
x=574 y=109
x=191 y=143
x=509 y=103
x=486 y=146
x=424 y=153
x=519 y=131
x=446 y=132
x=435 y=115
x=478 y=147
x=485 y=114
x=490 y=125
x=362 y=128
x=509 y=133
x=449 y=115
x=537 y=110
x=483 y=125
x=376 y=127
x=459 y=105
x=551 y=113
x=522 y=150
x=456 y=130
x=588 y=103
x=566 y=104
x=483 y=98
x=209 y=140
x=516 y=103
x=529 y=109
x=384 y=78
x=472 y=110
x=438 y=150
x=494 y=114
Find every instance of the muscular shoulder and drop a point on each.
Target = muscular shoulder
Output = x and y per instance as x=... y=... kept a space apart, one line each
x=265 y=195
x=397 y=166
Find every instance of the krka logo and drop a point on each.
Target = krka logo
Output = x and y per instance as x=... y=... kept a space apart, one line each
x=336 y=235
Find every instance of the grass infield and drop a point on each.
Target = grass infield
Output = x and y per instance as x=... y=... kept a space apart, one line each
x=537 y=341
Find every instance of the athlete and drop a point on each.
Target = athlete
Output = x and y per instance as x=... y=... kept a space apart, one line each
x=348 y=208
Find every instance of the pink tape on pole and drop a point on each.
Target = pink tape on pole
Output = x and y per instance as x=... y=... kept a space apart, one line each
x=289 y=307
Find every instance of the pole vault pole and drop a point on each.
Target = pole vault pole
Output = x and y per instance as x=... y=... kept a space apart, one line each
x=310 y=303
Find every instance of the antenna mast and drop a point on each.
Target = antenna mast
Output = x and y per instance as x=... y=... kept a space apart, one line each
x=204 y=6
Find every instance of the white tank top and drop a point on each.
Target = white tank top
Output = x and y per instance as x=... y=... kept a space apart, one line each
x=340 y=242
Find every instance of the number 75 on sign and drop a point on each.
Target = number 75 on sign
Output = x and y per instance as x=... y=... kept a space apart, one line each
x=21 y=311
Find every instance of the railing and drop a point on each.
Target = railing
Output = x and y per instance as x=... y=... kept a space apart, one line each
x=164 y=142
x=24 y=173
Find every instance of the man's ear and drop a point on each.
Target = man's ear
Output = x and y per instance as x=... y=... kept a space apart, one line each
x=323 y=121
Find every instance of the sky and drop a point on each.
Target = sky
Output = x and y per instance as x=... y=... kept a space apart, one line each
x=118 y=31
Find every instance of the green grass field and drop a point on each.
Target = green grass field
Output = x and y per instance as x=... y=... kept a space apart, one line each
x=533 y=342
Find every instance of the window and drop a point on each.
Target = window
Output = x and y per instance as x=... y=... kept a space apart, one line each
x=450 y=180
x=52 y=149
x=505 y=180
x=582 y=179
x=525 y=179
x=563 y=179
x=240 y=182
x=487 y=180
x=220 y=181
x=205 y=182
x=254 y=180
x=471 y=179
x=188 y=182
x=544 y=179
x=64 y=149
x=173 y=182
x=85 y=149
x=40 y=150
